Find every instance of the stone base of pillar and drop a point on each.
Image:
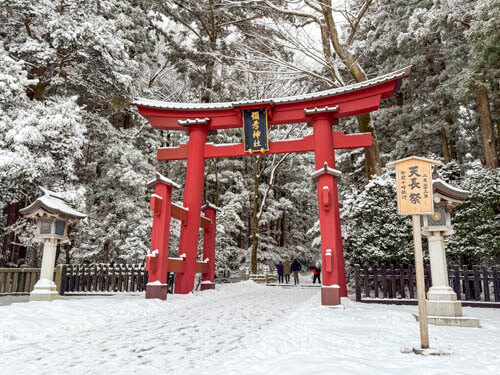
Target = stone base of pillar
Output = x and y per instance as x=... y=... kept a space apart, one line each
x=156 y=290
x=444 y=308
x=44 y=290
x=207 y=285
x=454 y=321
x=330 y=295
x=442 y=301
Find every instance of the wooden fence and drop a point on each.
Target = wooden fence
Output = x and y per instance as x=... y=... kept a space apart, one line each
x=478 y=286
x=18 y=280
x=102 y=278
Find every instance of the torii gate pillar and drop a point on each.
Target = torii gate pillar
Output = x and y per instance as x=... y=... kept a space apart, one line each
x=208 y=278
x=332 y=257
x=193 y=191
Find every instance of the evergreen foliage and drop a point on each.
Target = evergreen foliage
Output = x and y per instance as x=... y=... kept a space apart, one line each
x=69 y=69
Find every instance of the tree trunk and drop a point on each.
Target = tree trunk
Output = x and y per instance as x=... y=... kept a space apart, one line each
x=372 y=155
x=255 y=221
x=444 y=146
x=106 y=252
x=483 y=110
x=282 y=231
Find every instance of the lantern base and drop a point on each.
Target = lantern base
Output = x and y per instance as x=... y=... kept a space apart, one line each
x=45 y=290
x=156 y=290
x=330 y=295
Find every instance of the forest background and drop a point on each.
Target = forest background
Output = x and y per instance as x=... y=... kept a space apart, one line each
x=69 y=70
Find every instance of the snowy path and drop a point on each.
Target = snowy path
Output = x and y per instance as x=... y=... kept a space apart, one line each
x=128 y=334
x=239 y=329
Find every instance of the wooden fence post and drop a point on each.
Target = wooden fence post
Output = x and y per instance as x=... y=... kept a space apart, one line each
x=466 y=283
x=375 y=280
x=358 y=282
x=393 y=283
x=410 y=281
x=477 y=286
x=367 y=281
x=402 y=281
x=486 y=284
x=456 y=282
x=384 y=281
x=496 y=288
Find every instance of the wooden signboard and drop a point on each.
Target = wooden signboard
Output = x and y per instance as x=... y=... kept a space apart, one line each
x=414 y=191
x=414 y=186
x=255 y=130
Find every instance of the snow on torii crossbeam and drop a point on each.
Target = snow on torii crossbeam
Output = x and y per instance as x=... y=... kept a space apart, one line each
x=319 y=108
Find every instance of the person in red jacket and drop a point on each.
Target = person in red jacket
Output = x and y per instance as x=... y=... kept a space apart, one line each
x=316 y=270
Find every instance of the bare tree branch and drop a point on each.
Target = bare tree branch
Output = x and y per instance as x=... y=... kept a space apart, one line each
x=354 y=27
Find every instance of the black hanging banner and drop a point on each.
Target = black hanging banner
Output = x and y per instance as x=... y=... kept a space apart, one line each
x=255 y=137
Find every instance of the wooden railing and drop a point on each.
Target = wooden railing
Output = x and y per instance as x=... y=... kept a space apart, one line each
x=477 y=286
x=103 y=278
x=18 y=280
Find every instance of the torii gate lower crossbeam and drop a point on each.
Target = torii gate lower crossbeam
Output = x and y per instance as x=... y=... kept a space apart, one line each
x=320 y=109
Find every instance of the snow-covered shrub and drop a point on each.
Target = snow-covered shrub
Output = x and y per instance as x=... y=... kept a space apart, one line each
x=373 y=230
x=477 y=220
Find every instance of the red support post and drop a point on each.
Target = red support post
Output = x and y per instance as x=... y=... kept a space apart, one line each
x=193 y=190
x=157 y=259
x=208 y=279
x=332 y=257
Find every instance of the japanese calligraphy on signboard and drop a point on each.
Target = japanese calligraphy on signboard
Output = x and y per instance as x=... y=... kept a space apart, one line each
x=414 y=186
x=255 y=137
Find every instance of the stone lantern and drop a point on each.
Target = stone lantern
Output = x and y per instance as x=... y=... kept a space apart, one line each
x=52 y=215
x=442 y=305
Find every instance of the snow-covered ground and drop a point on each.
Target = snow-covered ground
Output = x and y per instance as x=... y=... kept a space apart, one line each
x=240 y=328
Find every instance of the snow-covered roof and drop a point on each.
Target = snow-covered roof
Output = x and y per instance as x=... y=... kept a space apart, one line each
x=165 y=180
x=53 y=203
x=398 y=74
x=326 y=169
x=448 y=191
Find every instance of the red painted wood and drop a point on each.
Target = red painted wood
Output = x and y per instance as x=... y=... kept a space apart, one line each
x=306 y=144
x=161 y=235
x=209 y=245
x=180 y=213
x=193 y=189
x=175 y=265
x=328 y=215
x=201 y=267
x=351 y=103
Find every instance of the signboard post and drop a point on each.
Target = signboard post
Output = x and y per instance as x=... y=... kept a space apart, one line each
x=414 y=190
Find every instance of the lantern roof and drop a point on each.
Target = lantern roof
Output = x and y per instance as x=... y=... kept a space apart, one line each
x=447 y=191
x=52 y=203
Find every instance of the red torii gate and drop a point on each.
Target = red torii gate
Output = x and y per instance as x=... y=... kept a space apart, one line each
x=320 y=109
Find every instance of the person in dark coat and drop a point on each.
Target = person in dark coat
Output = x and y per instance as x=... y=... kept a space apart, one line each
x=296 y=267
x=279 y=268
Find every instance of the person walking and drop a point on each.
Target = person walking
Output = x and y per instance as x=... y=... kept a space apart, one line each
x=287 y=270
x=316 y=270
x=296 y=267
x=279 y=268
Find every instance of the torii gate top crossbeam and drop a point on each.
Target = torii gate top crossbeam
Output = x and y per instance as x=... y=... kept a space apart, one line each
x=344 y=101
